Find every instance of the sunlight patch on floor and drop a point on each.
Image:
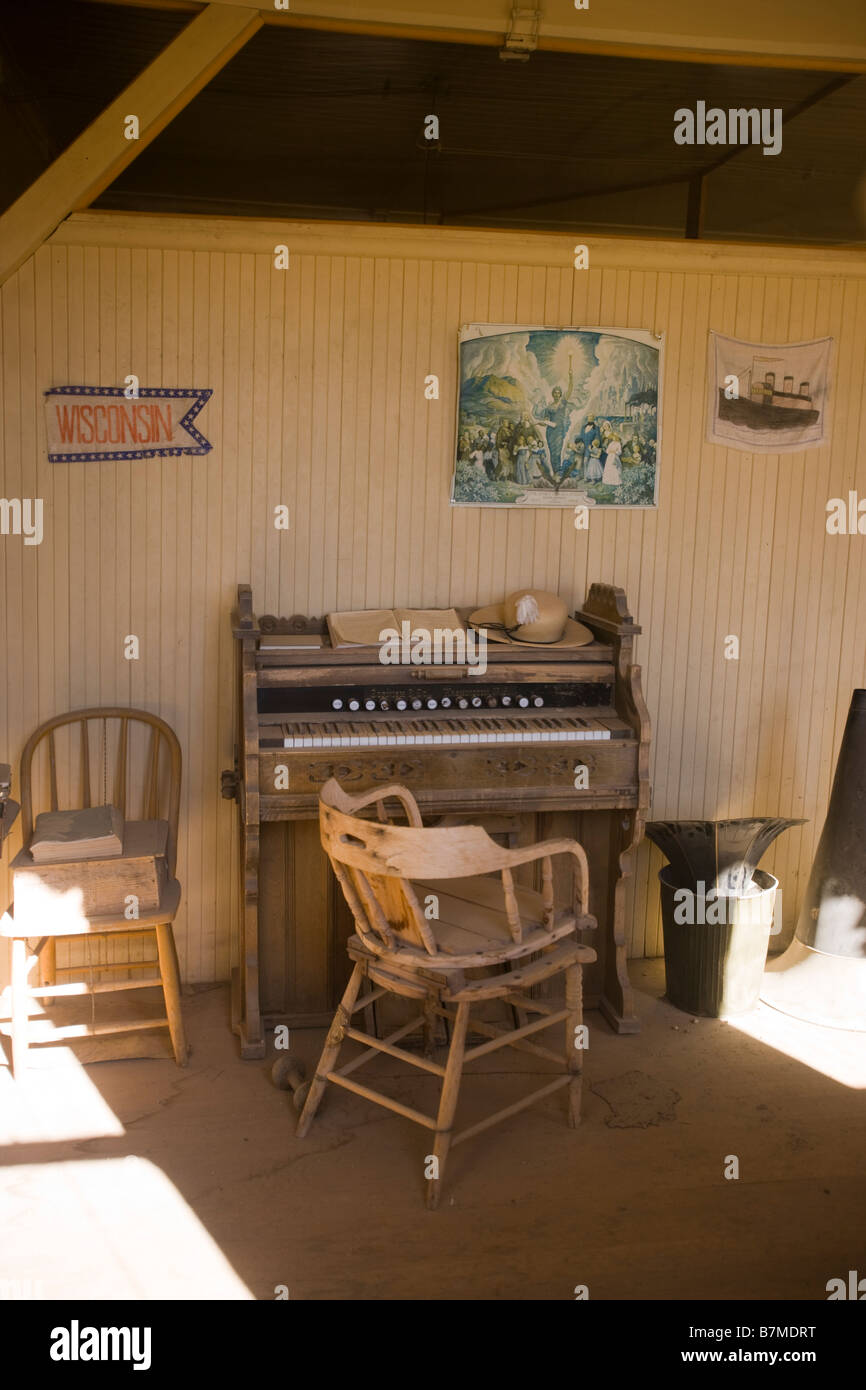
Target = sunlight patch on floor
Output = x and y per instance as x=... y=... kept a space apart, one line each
x=56 y=1100
x=833 y=1052
x=114 y=1228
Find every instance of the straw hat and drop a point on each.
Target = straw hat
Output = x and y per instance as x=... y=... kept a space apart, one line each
x=531 y=617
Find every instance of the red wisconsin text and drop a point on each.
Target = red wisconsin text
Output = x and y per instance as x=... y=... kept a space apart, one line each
x=134 y=422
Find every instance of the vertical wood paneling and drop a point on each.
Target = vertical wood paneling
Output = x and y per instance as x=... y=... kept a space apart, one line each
x=318 y=377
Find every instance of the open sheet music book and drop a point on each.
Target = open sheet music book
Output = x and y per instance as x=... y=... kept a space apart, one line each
x=363 y=628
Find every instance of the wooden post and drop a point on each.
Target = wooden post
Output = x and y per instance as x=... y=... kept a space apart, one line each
x=606 y=613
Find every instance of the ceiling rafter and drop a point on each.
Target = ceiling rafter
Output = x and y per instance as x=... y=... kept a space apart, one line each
x=102 y=151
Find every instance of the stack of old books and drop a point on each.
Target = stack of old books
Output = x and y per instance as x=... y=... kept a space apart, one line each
x=94 y=833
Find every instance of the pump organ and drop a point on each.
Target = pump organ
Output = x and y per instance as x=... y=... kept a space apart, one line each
x=545 y=742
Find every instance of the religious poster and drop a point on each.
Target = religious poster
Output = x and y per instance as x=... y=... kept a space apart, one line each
x=95 y=423
x=769 y=399
x=557 y=417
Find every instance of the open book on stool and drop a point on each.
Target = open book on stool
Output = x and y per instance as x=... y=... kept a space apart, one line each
x=93 y=833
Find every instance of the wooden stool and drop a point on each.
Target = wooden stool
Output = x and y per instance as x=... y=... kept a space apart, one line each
x=384 y=870
x=90 y=897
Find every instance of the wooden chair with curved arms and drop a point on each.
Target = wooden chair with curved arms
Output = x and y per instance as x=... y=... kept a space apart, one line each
x=134 y=894
x=427 y=910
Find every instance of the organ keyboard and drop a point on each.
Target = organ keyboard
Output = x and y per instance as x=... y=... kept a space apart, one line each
x=546 y=741
x=386 y=733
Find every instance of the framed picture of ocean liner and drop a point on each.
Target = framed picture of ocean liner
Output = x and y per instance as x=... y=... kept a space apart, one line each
x=769 y=398
x=557 y=417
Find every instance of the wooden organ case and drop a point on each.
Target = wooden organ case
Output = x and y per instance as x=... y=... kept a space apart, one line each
x=503 y=748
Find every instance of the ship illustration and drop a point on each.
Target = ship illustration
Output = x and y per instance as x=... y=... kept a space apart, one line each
x=761 y=406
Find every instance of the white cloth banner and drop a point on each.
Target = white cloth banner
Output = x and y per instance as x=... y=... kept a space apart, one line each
x=769 y=398
x=101 y=422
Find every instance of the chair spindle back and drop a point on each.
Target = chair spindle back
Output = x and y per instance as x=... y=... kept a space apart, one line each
x=131 y=748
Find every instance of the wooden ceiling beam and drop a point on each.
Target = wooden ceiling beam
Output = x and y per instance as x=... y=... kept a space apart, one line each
x=676 y=31
x=102 y=151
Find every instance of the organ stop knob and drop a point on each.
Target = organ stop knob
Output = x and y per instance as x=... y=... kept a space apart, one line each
x=476 y=701
x=416 y=704
x=432 y=704
x=537 y=700
x=401 y=704
x=523 y=702
x=369 y=704
x=354 y=704
x=336 y=704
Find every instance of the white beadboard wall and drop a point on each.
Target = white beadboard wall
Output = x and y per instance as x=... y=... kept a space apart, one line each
x=318 y=402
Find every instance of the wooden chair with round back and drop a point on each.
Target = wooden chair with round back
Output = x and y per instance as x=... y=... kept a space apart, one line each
x=130 y=759
x=427 y=909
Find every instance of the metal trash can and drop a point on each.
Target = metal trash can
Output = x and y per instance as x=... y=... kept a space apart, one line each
x=715 y=968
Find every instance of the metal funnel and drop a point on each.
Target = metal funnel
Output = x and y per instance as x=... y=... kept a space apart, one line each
x=721 y=854
x=822 y=976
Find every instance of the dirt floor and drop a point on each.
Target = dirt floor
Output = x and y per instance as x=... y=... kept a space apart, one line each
x=133 y=1179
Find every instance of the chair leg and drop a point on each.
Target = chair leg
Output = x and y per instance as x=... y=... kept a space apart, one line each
x=171 y=990
x=519 y=1016
x=331 y=1050
x=371 y=1019
x=430 y=1021
x=20 y=992
x=448 y=1103
x=573 y=1055
x=48 y=968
